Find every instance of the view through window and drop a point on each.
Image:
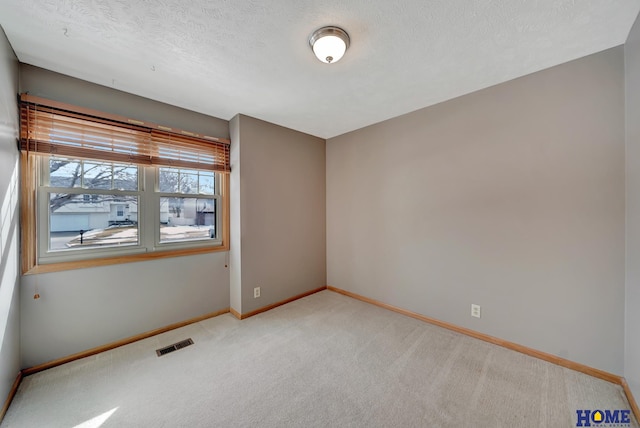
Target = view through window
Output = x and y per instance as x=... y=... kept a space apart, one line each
x=106 y=217
x=184 y=217
x=97 y=205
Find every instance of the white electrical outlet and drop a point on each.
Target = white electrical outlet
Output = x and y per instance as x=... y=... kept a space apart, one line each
x=475 y=310
x=256 y=292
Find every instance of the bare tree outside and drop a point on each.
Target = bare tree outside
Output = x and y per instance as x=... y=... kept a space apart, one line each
x=88 y=175
x=185 y=181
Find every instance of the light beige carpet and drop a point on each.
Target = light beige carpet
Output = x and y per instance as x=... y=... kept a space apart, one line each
x=323 y=361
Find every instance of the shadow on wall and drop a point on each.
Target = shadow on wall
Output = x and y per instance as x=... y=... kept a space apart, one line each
x=9 y=257
x=9 y=270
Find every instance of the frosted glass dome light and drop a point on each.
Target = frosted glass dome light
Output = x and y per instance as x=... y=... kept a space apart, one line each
x=329 y=44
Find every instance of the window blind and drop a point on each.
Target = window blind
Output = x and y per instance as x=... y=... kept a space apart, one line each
x=49 y=127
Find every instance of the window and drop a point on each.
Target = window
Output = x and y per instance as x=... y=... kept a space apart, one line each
x=105 y=192
x=185 y=217
x=72 y=221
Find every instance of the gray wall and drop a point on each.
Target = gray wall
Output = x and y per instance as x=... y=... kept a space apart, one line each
x=511 y=198
x=281 y=203
x=84 y=308
x=48 y=84
x=632 y=321
x=9 y=215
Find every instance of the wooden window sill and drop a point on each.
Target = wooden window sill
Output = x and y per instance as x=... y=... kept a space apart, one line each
x=83 y=264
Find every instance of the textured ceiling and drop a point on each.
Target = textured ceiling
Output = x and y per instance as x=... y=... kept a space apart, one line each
x=223 y=57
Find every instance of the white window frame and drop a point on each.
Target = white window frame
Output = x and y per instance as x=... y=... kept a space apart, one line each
x=148 y=217
x=187 y=243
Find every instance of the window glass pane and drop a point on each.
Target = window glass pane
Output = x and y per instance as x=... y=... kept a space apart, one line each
x=97 y=175
x=184 y=219
x=92 y=174
x=108 y=220
x=188 y=181
x=169 y=180
x=206 y=184
x=65 y=173
x=125 y=177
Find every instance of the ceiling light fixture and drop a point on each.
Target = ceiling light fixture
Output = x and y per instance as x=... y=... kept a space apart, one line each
x=329 y=43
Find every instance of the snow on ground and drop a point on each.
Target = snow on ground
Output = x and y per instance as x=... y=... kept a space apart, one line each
x=129 y=235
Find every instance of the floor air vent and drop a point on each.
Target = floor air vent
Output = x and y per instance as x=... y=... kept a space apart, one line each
x=174 y=347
